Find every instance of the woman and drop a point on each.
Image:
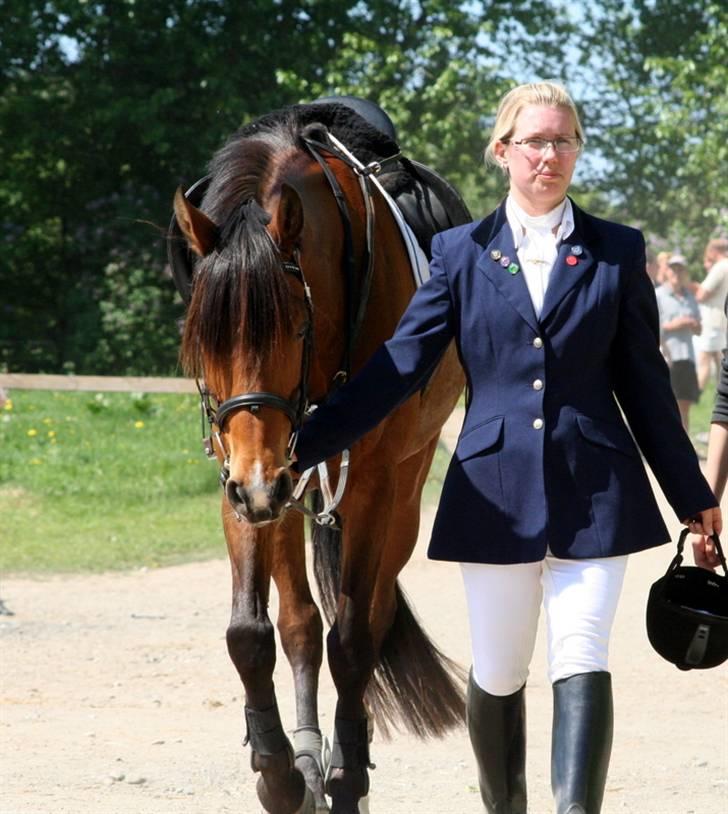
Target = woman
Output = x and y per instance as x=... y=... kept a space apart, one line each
x=711 y=296
x=554 y=316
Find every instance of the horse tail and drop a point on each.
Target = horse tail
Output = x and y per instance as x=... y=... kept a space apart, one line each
x=326 y=560
x=415 y=686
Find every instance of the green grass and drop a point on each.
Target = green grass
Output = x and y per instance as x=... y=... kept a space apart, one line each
x=104 y=481
x=95 y=482
x=700 y=414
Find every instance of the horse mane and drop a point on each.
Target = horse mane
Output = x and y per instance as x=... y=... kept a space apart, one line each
x=240 y=297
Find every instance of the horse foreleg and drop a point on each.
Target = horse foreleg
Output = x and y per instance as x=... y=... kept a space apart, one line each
x=301 y=631
x=353 y=647
x=251 y=645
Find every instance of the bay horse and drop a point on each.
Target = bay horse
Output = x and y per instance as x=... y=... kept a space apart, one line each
x=299 y=273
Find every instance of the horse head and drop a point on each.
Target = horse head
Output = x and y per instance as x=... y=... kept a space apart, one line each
x=248 y=334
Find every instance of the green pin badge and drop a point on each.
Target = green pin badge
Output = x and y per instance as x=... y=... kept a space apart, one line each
x=513 y=268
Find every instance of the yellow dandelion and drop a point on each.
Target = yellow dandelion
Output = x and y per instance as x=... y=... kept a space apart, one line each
x=138 y=425
x=32 y=433
x=51 y=433
x=35 y=461
x=47 y=421
x=8 y=405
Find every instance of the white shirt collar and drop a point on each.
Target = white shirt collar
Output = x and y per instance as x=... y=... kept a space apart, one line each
x=562 y=212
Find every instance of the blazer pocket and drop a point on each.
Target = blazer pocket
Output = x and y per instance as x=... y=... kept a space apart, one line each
x=482 y=438
x=605 y=434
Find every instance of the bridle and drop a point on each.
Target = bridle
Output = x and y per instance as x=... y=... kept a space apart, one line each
x=215 y=415
x=295 y=411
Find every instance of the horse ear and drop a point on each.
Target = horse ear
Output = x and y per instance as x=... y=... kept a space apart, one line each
x=289 y=219
x=201 y=233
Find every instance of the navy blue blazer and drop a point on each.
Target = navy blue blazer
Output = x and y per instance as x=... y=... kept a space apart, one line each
x=544 y=457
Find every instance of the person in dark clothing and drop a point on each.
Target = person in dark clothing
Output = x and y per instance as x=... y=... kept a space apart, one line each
x=716 y=466
x=555 y=321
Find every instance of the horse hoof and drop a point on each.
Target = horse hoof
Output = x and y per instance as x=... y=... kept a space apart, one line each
x=308 y=806
x=364 y=805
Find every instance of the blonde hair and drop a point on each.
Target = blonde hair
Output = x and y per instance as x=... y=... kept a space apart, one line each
x=547 y=94
x=718 y=245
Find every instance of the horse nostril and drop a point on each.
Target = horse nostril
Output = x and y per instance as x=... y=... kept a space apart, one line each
x=283 y=487
x=234 y=494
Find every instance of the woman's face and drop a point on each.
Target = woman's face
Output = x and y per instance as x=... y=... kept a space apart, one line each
x=539 y=181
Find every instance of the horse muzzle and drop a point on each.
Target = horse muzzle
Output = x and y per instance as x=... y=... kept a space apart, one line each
x=259 y=502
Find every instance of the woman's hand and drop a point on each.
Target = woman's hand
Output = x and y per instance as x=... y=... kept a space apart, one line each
x=703 y=525
x=707 y=522
x=704 y=553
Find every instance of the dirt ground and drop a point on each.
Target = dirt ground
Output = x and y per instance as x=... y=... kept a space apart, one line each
x=118 y=697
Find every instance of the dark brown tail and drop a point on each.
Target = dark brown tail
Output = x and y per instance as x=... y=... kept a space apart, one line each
x=415 y=686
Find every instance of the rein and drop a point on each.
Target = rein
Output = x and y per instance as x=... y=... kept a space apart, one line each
x=354 y=316
x=216 y=414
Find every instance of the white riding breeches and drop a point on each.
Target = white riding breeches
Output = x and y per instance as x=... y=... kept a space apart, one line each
x=504 y=601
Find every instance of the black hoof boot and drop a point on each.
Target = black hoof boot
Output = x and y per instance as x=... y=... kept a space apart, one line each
x=497 y=727
x=581 y=742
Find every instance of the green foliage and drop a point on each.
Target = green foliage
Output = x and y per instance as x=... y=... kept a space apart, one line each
x=659 y=114
x=106 y=106
x=138 y=319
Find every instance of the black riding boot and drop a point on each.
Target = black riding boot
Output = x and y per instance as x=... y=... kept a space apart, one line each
x=497 y=727
x=581 y=742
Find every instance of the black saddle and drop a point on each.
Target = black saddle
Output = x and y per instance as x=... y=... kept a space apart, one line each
x=429 y=204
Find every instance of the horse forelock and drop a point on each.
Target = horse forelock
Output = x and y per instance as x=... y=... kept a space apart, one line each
x=241 y=301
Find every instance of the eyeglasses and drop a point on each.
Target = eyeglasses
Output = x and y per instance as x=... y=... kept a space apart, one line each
x=538 y=146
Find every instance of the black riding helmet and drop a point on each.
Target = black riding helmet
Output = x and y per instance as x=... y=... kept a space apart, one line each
x=687 y=613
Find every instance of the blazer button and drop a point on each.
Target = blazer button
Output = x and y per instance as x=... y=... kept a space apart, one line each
x=538 y=342
x=538 y=423
x=537 y=384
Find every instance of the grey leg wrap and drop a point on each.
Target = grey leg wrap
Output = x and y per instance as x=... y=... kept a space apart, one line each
x=264 y=731
x=350 y=749
x=308 y=742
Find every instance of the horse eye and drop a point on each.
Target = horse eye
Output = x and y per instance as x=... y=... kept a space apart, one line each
x=303 y=331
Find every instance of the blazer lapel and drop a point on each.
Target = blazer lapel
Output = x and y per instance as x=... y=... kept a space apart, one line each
x=499 y=254
x=573 y=261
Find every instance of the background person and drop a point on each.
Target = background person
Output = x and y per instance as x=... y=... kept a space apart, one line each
x=716 y=466
x=661 y=259
x=679 y=322
x=711 y=296
x=553 y=316
x=653 y=268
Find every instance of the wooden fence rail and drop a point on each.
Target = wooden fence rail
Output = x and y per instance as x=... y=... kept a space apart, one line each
x=112 y=384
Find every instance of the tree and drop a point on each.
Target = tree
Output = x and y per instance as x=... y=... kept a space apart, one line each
x=107 y=105
x=104 y=107
x=660 y=113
